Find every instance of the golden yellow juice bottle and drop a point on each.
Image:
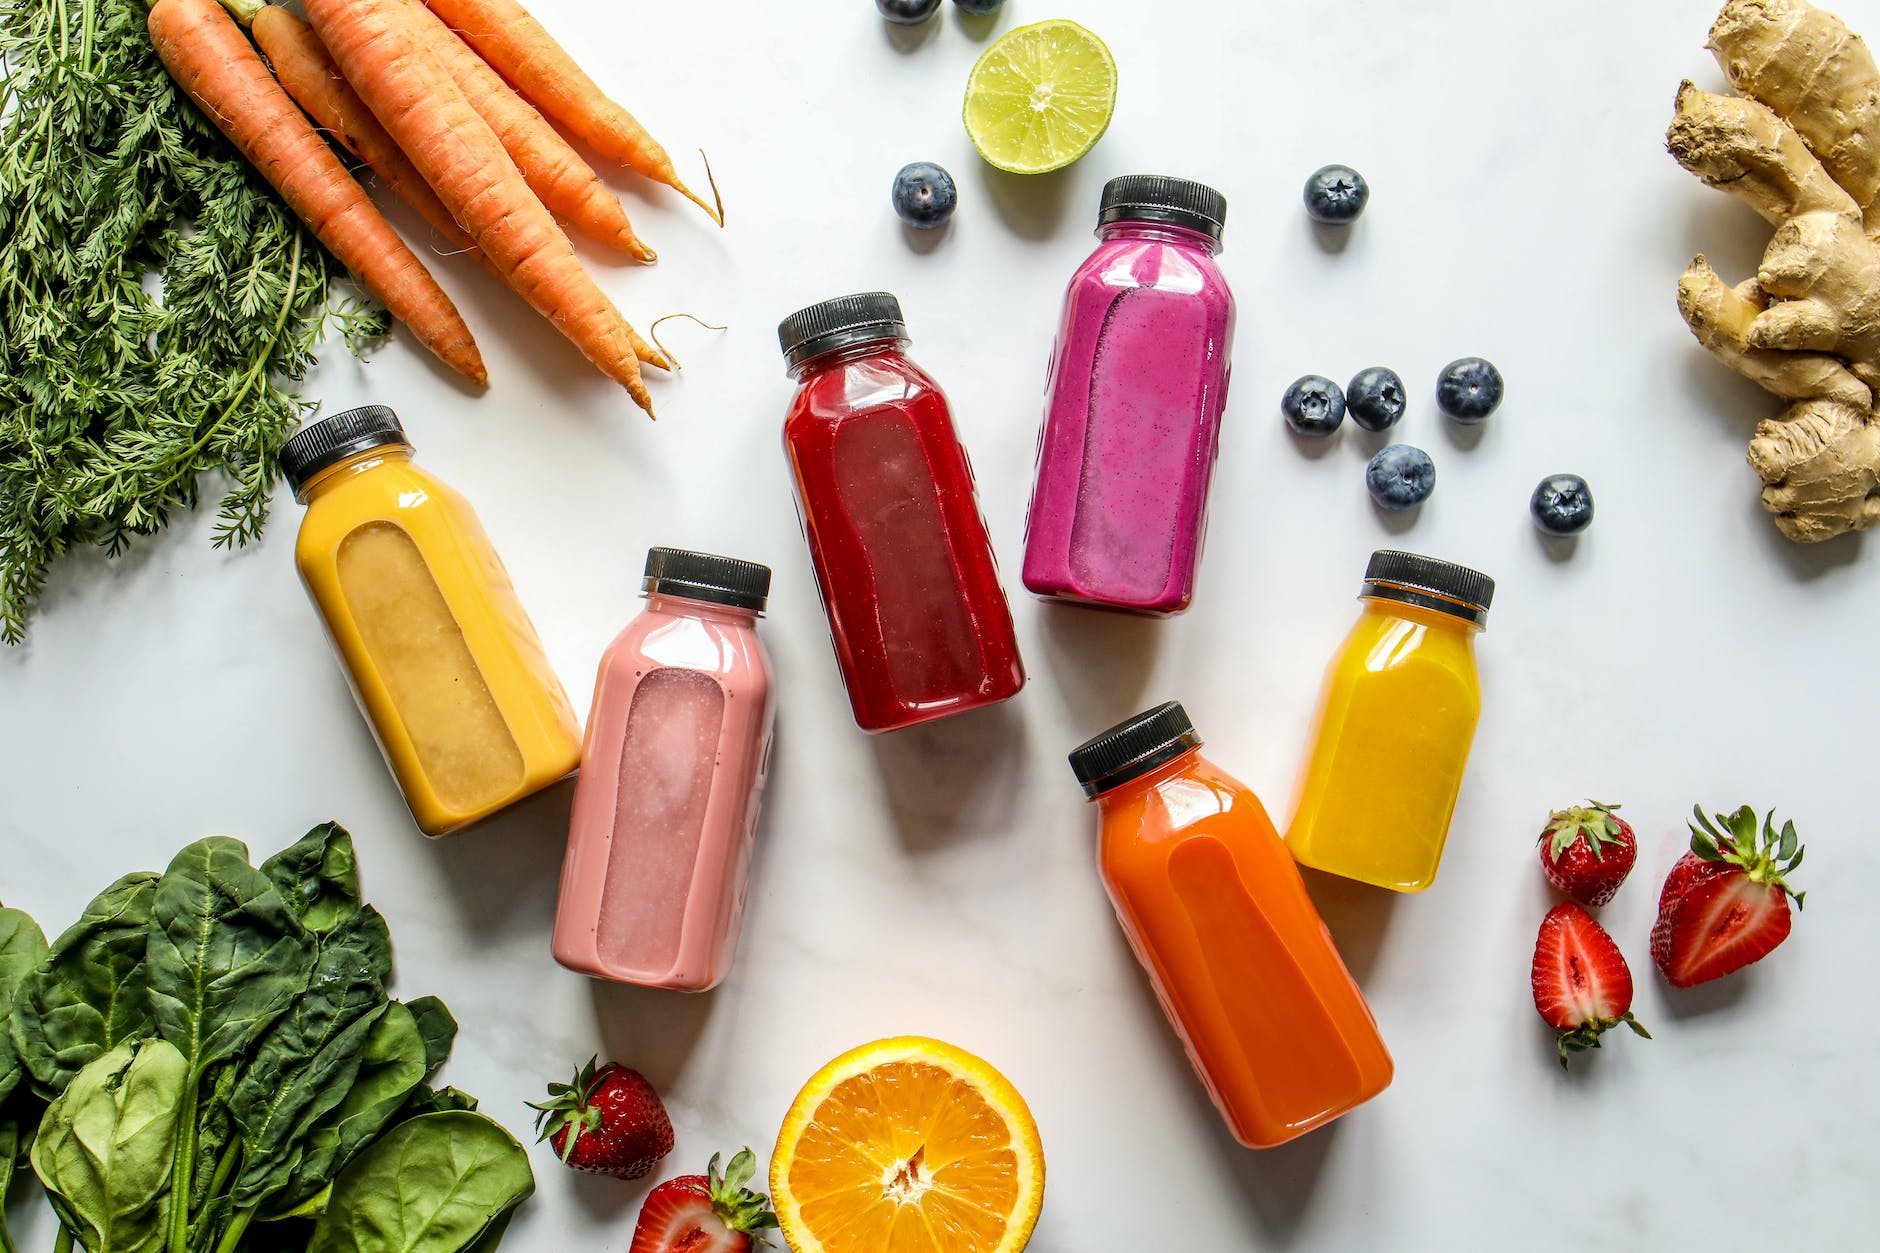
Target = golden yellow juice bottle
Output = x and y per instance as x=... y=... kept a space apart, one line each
x=444 y=662
x=1395 y=722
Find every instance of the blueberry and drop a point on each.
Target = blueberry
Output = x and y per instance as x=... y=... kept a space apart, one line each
x=924 y=195
x=1469 y=389
x=979 y=8
x=907 y=12
x=1313 y=405
x=1400 y=477
x=1375 y=397
x=1562 y=504
x=1336 y=194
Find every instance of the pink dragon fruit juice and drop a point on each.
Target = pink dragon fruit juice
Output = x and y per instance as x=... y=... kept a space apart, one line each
x=1138 y=382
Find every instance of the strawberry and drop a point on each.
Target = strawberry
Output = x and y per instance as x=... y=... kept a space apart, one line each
x=609 y=1121
x=1587 y=852
x=1726 y=903
x=1582 y=986
x=705 y=1213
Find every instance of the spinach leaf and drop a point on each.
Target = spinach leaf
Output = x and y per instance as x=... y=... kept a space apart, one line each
x=437 y=1028
x=22 y=949
x=436 y=1100
x=106 y=1144
x=435 y=1184
x=89 y=993
x=318 y=877
x=391 y=1066
x=309 y=1059
x=225 y=953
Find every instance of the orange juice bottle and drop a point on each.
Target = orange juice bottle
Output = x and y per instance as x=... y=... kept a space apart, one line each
x=1219 y=918
x=1394 y=726
x=443 y=661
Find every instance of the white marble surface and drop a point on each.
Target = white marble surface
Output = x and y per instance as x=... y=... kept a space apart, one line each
x=941 y=881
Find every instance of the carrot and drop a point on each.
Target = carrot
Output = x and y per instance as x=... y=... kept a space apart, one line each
x=555 y=172
x=305 y=68
x=385 y=56
x=209 y=57
x=515 y=44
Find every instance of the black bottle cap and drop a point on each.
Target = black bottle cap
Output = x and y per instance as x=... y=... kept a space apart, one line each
x=1159 y=198
x=1132 y=749
x=1429 y=583
x=839 y=323
x=332 y=440
x=703 y=576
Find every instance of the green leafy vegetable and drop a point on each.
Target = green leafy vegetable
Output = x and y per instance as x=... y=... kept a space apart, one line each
x=434 y=1184
x=105 y=1146
x=225 y=954
x=89 y=994
x=436 y=1028
x=280 y=1065
x=318 y=877
x=309 y=1059
x=153 y=294
x=22 y=948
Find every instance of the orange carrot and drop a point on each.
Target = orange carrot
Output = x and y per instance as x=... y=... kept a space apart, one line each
x=385 y=56
x=555 y=172
x=515 y=44
x=209 y=57
x=306 y=70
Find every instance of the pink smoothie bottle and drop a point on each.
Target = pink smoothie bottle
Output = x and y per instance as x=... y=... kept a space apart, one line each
x=672 y=771
x=1133 y=420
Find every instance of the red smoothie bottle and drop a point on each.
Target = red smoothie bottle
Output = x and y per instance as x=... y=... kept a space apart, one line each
x=885 y=492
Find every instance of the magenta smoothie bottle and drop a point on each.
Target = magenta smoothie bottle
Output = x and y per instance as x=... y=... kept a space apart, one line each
x=1133 y=417
x=672 y=769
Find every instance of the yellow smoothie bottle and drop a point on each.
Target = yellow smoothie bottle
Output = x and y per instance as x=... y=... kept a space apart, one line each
x=443 y=661
x=1396 y=718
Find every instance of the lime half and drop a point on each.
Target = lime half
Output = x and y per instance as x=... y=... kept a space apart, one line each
x=1040 y=97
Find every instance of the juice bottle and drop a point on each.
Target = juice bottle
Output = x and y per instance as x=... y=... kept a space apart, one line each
x=1394 y=726
x=665 y=812
x=1133 y=417
x=1217 y=914
x=443 y=661
x=886 y=497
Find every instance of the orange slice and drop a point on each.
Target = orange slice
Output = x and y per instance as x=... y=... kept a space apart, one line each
x=907 y=1146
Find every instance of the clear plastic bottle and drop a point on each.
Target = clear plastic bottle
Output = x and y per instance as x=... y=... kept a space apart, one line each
x=885 y=492
x=672 y=775
x=443 y=661
x=1394 y=727
x=1138 y=384
x=1218 y=916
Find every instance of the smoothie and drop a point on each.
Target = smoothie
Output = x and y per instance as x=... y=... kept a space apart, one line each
x=441 y=657
x=1138 y=383
x=673 y=773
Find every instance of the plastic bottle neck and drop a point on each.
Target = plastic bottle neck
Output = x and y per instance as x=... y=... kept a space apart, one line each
x=1160 y=773
x=688 y=607
x=347 y=467
x=895 y=344
x=1165 y=232
x=1435 y=618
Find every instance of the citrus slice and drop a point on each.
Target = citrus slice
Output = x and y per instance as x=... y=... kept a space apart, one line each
x=907 y=1146
x=1040 y=97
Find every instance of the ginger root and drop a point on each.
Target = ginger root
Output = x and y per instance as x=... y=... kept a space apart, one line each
x=1801 y=146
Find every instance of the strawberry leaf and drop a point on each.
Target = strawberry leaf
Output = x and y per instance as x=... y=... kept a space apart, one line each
x=1788 y=842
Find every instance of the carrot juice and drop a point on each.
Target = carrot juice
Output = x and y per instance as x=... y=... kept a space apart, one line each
x=1217 y=914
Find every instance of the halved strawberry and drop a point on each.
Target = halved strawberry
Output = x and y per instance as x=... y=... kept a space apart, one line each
x=706 y=1213
x=1587 y=851
x=1726 y=903
x=1582 y=986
